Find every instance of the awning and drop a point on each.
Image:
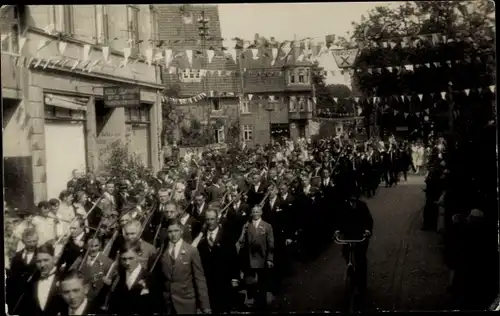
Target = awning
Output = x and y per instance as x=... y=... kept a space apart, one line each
x=71 y=103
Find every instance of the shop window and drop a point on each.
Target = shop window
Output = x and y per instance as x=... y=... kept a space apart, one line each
x=137 y=115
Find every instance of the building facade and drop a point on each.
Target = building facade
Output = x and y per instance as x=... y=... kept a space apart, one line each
x=277 y=97
x=54 y=117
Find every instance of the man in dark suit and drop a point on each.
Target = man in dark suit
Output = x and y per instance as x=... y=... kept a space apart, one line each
x=41 y=296
x=22 y=268
x=216 y=190
x=329 y=199
x=256 y=249
x=159 y=216
x=95 y=267
x=76 y=244
x=257 y=190
x=131 y=234
x=180 y=275
x=197 y=210
x=220 y=263
x=76 y=183
x=354 y=221
x=308 y=203
x=233 y=217
x=74 y=291
x=191 y=227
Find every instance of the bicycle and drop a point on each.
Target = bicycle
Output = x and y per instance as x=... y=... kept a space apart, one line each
x=350 y=272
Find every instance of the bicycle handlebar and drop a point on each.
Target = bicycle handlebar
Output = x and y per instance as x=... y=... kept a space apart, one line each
x=349 y=241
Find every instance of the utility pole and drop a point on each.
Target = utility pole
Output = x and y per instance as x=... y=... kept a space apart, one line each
x=242 y=95
x=203 y=32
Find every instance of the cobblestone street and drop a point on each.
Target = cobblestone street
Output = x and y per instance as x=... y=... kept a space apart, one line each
x=405 y=266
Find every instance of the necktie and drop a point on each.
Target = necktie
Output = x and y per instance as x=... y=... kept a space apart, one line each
x=25 y=258
x=172 y=253
x=211 y=239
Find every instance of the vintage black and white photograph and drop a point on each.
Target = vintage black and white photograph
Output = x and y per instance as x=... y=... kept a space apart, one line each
x=163 y=159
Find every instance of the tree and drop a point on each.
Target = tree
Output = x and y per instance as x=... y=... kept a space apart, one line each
x=469 y=24
x=172 y=116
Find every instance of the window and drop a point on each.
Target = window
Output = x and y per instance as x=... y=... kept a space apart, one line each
x=137 y=115
x=244 y=107
x=292 y=76
x=154 y=25
x=102 y=25
x=9 y=32
x=309 y=105
x=191 y=75
x=302 y=105
x=247 y=132
x=301 y=76
x=219 y=135
x=55 y=112
x=292 y=105
x=63 y=19
x=216 y=104
x=133 y=25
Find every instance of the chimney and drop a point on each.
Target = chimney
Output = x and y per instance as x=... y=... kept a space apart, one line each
x=256 y=37
x=295 y=51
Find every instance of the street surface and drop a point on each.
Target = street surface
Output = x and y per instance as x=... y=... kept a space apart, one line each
x=405 y=266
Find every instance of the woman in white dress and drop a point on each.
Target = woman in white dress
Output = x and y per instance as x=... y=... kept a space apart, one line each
x=420 y=156
x=414 y=157
x=66 y=212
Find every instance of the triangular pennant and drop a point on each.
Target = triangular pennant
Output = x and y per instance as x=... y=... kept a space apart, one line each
x=210 y=55
x=409 y=98
x=335 y=99
x=378 y=70
x=403 y=98
x=417 y=114
x=250 y=96
x=105 y=54
x=409 y=67
x=87 y=50
x=492 y=88
x=369 y=71
x=427 y=111
x=168 y=57
x=448 y=62
x=149 y=55
x=467 y=91
x=479 y=90
x=274 y=52
x=93 y=65
x=443 y=95
x=428 y=65
x=384 y=44
x=189 y=55
x=437 y=64
x=392 y=44
x=61 y=47
x=75 y=64
x=356 y=99
x=405 y=114
x=126 y=55
x=255 y=53
x=396 y=112
x=389 y=69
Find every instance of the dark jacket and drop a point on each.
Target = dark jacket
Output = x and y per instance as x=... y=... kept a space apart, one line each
x=352 y=222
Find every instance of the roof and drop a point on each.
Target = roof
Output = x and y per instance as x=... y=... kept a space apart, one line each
x=181 y=37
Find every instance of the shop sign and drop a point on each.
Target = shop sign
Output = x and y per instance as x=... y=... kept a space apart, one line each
x=116 y=97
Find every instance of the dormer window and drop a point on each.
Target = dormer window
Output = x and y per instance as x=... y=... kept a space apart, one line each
x=292 y=76
x=299 y=75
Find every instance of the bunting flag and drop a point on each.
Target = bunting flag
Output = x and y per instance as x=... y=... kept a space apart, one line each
x=105 y=54
x=61 y=47
x=467 y=91
x=75 y=64
x=356 y=99
x=492 y=88
x=86 y=52
x=427 y=111
x=250 y=96
x=126 y=55
x=405 y=114
x=335 y=99
x=420 y=96
x=189 y=55
x=210 y=55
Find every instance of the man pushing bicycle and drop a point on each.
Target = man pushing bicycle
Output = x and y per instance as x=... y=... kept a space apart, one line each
x=354 y=224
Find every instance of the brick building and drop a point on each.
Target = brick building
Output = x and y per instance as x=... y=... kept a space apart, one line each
x=54 y=118
x=281 y=103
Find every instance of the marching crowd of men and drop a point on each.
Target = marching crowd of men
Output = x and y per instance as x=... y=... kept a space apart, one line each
x=191 y=238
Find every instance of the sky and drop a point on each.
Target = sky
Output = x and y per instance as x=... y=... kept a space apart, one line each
x=284 y=21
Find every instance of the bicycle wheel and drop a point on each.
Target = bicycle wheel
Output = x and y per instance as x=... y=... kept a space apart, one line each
x=350 y=287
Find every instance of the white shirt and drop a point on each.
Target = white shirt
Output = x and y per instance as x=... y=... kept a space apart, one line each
x=306 y=189
x=91 y=260
x=284 y=196
x=130 y=278
x=176 y=247
x=79 y=238
x=272 y=201
x=256 y=223
x=200 y=208
x=27 y=256
x=184 y=219
x=80 y=309
x=236 y=205
x=212 y=234
x=43 y=289
x=326 y=181
x=256 y=187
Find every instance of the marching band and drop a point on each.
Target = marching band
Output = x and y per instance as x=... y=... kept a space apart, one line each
x=214 y=233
